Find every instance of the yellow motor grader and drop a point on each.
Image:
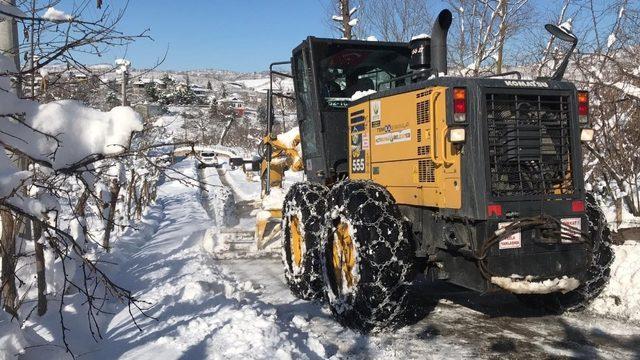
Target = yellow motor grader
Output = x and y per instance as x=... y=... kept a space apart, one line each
x=476 y=181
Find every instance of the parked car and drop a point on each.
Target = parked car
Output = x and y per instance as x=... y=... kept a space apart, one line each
x=208 y=158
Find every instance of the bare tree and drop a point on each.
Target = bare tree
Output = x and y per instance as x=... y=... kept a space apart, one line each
x=394 y=20
x=482 y=31
x=607 y=67
x=341 y=15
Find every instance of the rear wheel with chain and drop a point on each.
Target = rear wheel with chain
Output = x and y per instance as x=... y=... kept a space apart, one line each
x=598 y=272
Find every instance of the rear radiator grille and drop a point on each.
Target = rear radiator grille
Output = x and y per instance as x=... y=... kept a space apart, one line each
x=423 y=150
x=426 y=171
x=529 y=145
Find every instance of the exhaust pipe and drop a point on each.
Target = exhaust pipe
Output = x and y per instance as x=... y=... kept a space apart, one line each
x=439 y=42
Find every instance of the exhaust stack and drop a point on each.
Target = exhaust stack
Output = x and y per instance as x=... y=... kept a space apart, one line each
x=439 y=42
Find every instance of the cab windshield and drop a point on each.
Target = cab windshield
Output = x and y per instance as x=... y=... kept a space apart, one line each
x=344 y=71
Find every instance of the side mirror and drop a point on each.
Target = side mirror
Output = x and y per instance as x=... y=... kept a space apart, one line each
x=562 y=32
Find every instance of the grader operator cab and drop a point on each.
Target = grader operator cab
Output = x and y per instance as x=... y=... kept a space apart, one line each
x=476 y=181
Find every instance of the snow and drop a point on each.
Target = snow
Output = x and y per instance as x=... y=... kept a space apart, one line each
x=60 y=134
x=12 y=340
x=567 y=26
x=611 y=39
x=245 y=189
x=288 y=138
x=56 y=15
x=420 y=36
x=372 y=38
x=274 y=200
x=11 y=10
x=525 y=285
x=621 y=298
x=360 y=94
x=220 y=309
x=628 y=89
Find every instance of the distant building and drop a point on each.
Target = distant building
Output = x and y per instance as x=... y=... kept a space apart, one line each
x=149 y=110
x=233 y=103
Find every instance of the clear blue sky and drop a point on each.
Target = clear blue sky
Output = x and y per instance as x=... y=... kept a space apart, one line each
x=242 y=35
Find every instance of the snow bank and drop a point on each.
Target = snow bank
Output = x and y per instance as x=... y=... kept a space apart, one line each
x=621 y=298
x=274 y=200
x=219 y=199
x=12 y=341
x=245 y=189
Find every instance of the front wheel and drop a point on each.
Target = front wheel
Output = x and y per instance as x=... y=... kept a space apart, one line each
x=303 y=221
x=368 y=257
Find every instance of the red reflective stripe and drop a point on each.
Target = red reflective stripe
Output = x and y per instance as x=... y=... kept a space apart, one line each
x=494 y=210
x=577 y=206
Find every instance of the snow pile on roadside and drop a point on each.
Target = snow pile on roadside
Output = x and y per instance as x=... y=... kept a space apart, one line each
x=621 y=297
x=245 y=189
x=220 y=199
x=12 y=341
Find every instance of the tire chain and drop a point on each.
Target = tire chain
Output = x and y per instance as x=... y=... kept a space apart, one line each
x=308 y=202
x=602 y=256
x=598 y=272
x=371 y=209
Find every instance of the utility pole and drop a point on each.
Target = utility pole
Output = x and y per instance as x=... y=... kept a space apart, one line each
x=9 y=48
x=122 y=67
x=9 y=44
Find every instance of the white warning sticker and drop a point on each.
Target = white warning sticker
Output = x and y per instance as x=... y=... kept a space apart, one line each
x=514 y=241
x=393 y=137
x=571 y=228
x=365 y=141
x=376 y=111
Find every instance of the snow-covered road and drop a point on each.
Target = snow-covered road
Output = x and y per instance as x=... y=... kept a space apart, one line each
x=451 y=323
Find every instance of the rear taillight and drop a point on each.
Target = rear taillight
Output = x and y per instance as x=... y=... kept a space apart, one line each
x=577 y=206
x=459 y=105
x=494 y=210
x=583 y=107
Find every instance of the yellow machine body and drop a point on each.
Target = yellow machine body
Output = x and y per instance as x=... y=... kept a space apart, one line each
x=401 y=142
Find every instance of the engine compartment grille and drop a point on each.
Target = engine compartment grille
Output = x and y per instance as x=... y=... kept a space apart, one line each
x=529 y=144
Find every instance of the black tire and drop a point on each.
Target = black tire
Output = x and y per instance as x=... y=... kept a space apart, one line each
x=304 y=209
x=383 y=260
x=598 y=272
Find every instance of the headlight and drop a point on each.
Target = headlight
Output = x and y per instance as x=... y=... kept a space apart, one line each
x=457 y=135
x=586 y=135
